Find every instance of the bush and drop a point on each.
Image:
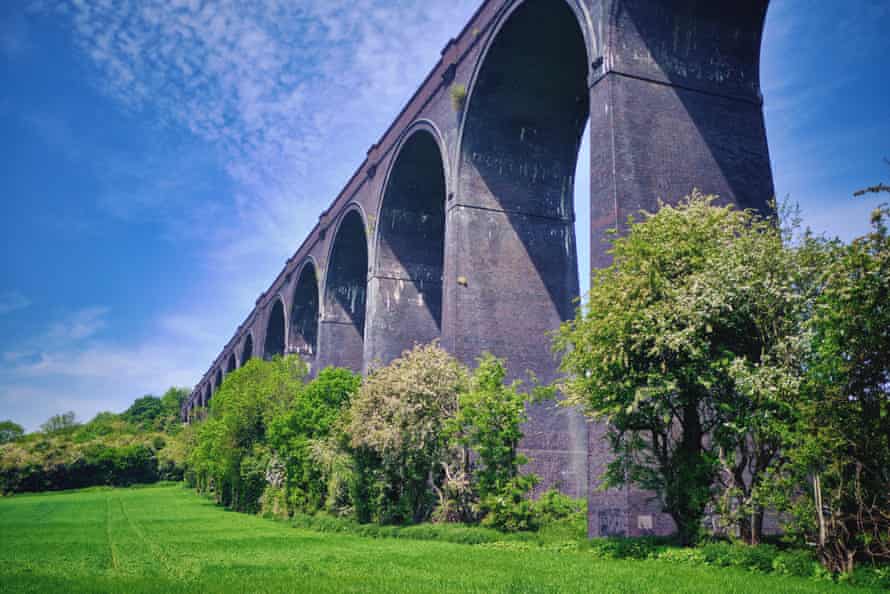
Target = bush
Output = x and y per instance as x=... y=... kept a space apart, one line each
x=553 y=506
x=312 y=477
x=800 y=563
x=627 y=548
x=458 y=97
x=511 y=509
x=722 y=554
x=869 y=576
x=398 y=417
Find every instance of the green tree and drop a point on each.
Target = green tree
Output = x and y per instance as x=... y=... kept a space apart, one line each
x=310 y=419
x=10 y=431
x=61 y=422
x=679 y=348
x=840 y=444
x=231 y=442
x=171 y=405
x=144 y=412
x=765 y=282
x=397 y=418
x=489 y=423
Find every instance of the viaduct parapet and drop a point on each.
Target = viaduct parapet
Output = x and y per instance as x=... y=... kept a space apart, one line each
x=459 y=225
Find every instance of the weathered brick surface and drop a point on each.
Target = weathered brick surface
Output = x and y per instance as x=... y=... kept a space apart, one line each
x=671 y=88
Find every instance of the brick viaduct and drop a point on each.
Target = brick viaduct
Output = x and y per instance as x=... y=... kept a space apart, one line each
x=459 y=223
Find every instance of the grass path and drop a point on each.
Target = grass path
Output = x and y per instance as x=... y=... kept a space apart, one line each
x=166 y=539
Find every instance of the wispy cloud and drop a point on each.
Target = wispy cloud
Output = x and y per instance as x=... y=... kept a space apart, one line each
x=827 y=132
x=11 y=301
x=71 y=365
x=284 y=97
x=289 y=94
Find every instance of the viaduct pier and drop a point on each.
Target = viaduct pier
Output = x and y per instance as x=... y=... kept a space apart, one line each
x=459 y=224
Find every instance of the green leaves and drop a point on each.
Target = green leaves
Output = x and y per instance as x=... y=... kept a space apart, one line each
x=240 y=415
x=686 y=333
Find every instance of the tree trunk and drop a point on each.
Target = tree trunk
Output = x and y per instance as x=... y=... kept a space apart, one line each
x=690 y=476
x=757 y=525
x=817 y=494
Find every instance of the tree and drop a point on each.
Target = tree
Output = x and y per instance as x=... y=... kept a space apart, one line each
x=840 y=443
x=309 y=420
x=144 y=412
x=398 y=417
x=10 y=431
x=679 y=348
x=171 y=405
x=768 y=281
x=877 y=189
x=489 y=423
x=231 y=442
x=59 y=423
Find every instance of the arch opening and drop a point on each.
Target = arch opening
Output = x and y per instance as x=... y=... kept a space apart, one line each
x=231 y=365
x=406 y=286
x=345 y=294
x=207 y=394
x=247 y=351
x=217 y=381
x=513 y=262
x=305 y=313
x=514 y=225
x=275 y=332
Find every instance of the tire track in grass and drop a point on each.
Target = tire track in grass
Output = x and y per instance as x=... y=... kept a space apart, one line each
x=171 y=568
x=115 y=562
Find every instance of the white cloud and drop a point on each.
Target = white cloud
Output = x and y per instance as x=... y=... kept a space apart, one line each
x=69 y=365
x=286 y=96
x=81 y=325
x=11 y=301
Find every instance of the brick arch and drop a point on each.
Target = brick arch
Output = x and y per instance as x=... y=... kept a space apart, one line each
x=275 y=335
x=511 y=238
x=405 y=287
x=342 y=327
x=305 y=310
x=248 y=351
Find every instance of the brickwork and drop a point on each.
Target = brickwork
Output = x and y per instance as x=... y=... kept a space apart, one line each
x=671 y=92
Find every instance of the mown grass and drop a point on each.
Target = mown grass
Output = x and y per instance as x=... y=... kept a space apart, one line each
x=166 y=539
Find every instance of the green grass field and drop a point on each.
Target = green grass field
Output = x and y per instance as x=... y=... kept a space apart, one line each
x=167 y=539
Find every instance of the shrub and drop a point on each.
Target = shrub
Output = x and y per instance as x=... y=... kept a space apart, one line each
x=510 y=509
x=297 y=435
x=794 y=562
x=722 y=554
x=398 y=416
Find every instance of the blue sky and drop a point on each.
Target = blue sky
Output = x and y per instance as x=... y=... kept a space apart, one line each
x=162 y=159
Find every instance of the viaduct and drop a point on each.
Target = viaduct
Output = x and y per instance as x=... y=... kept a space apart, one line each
x=459 y=225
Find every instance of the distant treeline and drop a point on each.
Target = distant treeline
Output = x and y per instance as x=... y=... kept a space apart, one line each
x=137 y=446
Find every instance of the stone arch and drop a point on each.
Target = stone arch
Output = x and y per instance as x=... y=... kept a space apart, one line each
x=511 y=247
x=276 y=330
x=247 y=349
x=305 y=311
x=207 y=394
x=405 y=288
x=511 y=235
x=217 y=380
x=232 y=363
x=345 y=293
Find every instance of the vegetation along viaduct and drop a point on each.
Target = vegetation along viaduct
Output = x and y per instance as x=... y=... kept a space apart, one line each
x=459 y=223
